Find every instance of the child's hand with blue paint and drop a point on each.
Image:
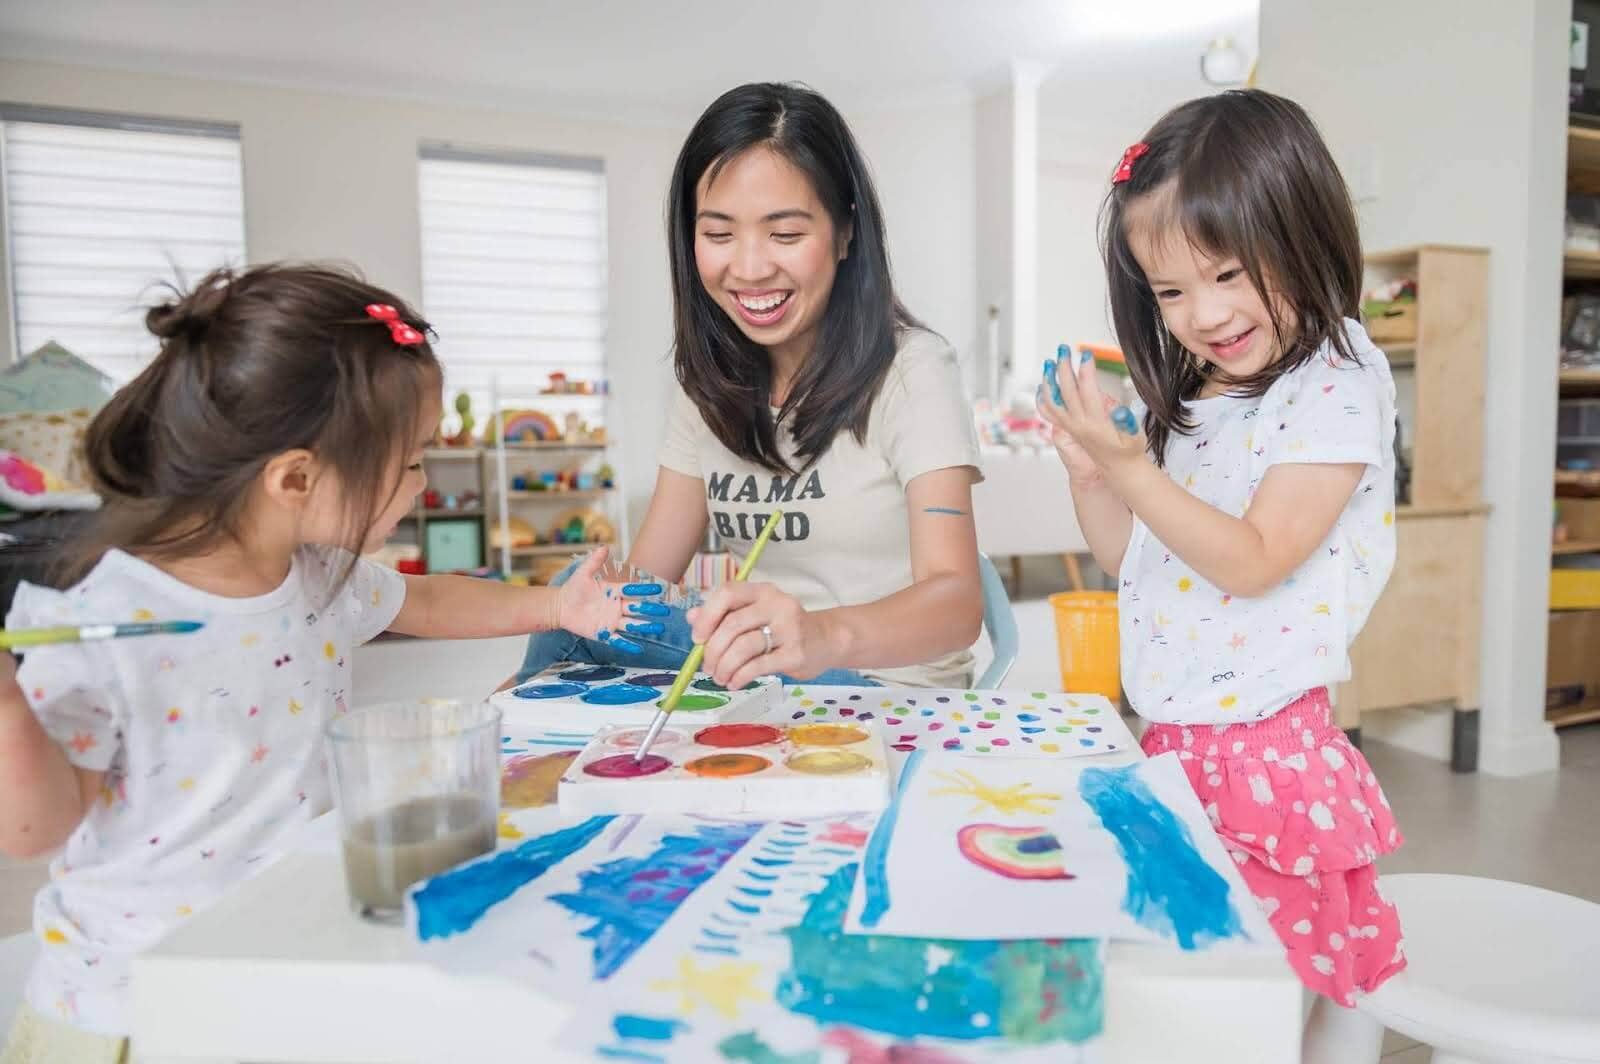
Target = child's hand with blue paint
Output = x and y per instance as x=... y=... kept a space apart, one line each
x=1089 y=429
x=1080 y=467
x=597 y=609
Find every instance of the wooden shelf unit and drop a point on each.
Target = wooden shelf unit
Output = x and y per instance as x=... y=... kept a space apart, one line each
x=1580 y=270
x=1420 y=646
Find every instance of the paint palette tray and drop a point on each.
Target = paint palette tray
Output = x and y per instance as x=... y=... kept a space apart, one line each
x=584 y=698
x=773 y=770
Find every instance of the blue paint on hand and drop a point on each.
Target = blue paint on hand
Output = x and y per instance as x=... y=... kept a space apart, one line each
x=1171 y=888
x=649 y=609
x=1085 y=356
x=951 y=510
x=627 y=646
x=1051 y=382
x=1124 y=420
x=646 y=627
x=641 y=589
x=453 y=902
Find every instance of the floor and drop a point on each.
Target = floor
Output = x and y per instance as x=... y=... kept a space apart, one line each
x=1536 y=830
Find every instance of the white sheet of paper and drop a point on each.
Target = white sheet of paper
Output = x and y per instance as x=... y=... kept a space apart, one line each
x=721 y=981
x=1013 y=849
x=570 y=905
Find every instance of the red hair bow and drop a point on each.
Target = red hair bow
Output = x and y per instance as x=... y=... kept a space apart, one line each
x=399 y=331
x=1125 y=167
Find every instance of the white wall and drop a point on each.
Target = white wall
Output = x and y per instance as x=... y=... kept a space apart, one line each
x=1466 y=138
x=1072 y=278
x=334 y=177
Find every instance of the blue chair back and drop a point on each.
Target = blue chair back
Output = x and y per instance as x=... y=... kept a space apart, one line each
x=1000 y=624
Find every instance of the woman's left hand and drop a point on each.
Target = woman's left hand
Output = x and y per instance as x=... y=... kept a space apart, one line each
x=1084 y=414
x=731 y=624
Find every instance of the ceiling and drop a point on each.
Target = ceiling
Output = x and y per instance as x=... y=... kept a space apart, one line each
x=665 y=58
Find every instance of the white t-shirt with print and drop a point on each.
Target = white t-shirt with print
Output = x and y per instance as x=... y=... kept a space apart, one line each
x=845 y=537
x=212 y=745
x=1193 y=655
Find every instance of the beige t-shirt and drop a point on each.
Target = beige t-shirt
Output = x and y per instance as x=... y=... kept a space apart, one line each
x=845 y=536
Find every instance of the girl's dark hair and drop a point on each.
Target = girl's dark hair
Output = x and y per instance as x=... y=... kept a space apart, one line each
x=1250 y=178
x=727 y=375
x=253 y=364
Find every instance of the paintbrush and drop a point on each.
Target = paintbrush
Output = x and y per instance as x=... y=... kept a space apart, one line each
x=38 y=637
x=697 y=655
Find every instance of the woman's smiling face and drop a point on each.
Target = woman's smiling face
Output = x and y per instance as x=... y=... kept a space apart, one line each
x=766 y=249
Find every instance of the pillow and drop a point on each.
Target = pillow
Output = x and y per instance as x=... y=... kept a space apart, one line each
x=53 y=442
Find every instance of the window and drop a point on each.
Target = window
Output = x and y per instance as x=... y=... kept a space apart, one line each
x=513 y=268
x=98 y=210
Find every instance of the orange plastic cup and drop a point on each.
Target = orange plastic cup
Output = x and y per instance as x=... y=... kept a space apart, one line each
x=1087 y=642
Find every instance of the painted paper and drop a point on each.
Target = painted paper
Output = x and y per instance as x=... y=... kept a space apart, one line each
x=573 y=904
x=1010 y=724
x=1022 y=850
x=757 y=968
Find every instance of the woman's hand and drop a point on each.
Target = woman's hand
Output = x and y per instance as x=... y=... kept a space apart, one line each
x=1081 y=424
x=731 y=623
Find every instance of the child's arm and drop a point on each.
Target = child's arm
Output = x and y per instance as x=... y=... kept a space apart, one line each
x=464 y=607
x=43 y=796
x=1292 y=512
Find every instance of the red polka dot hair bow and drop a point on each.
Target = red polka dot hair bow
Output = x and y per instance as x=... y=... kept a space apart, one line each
x=402 y=334
x=1125 y=167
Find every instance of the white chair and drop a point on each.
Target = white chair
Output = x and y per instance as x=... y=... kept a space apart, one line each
x=16 y=958
x=1497 y=972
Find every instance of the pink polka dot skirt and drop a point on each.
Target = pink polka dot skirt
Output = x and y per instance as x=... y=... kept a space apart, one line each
x=1302 y=814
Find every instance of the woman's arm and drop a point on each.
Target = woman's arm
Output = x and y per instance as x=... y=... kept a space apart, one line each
x=674 y=526
x=43 y=796
x=940 y=613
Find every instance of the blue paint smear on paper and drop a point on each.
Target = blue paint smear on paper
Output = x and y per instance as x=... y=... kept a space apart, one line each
x=648 y=1028
x=1029 y=992
x=631 y=897
x=452 y=903
x=1171 y=888
x=875 y=875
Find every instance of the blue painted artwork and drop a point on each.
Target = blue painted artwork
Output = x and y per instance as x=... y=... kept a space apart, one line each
x=875 y=876
x=1171 y=888
x=630 y=897
x=1031 y=992
x=453 y=902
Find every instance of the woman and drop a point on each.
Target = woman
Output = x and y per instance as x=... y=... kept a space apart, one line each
x=806 y=387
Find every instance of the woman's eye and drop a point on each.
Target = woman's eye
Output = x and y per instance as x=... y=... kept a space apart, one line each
x=787 y=238
x=718 y=238
x=1168 y=293
x=1227 y=275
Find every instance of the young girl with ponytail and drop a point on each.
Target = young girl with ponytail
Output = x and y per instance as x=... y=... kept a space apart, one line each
x=276 y=437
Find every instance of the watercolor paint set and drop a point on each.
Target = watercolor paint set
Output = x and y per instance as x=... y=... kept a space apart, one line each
x=586 y=698
x=812 y=769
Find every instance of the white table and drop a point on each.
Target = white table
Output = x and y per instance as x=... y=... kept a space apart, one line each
x=1024 y=507
x=282 y=971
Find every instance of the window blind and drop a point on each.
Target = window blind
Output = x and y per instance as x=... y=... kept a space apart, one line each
x=99 y=209
x=513 y=268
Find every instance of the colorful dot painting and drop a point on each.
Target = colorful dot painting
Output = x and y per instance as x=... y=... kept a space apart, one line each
x=996 y=723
